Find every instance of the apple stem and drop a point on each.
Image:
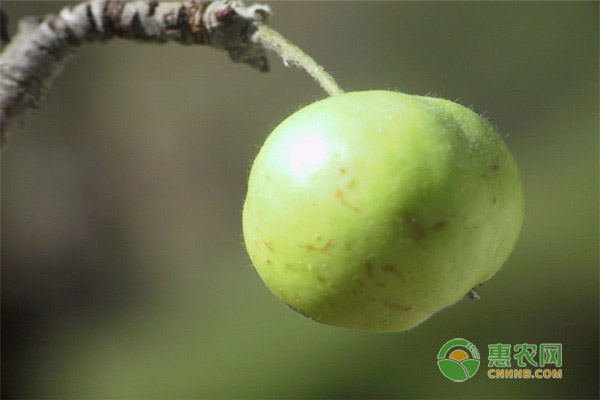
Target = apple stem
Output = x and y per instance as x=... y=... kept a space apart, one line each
x=293 y=55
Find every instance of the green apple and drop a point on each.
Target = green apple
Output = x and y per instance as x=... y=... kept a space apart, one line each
x=373 y=210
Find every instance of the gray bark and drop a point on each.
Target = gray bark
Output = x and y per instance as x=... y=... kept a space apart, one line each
x=35 y=56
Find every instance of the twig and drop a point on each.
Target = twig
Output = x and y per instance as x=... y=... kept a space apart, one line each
x=41 y=47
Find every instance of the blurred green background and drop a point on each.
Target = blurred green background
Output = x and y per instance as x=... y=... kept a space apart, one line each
x=123 y=268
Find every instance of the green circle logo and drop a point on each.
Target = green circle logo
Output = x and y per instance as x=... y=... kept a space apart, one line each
x=458 y=360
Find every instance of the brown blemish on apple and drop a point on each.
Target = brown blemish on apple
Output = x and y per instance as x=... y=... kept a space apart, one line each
x=321 y=279
x=494 y=167
x=439 y=224
x=268 y=261
x=340 y=196
x=393 y=271
x=342 y=170
x=268 y=245
x=394 y=306
x=330 y=243
x=415 y=230
x=347 y=246
x=369 y=268
x=360 y=282
x=341 y=289
x=380 y=284
x=494 y=200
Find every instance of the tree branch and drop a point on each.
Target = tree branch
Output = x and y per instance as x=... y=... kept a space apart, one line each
x=35 y=56
x=4 y=37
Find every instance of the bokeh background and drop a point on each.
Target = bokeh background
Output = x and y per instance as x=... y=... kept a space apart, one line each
x=124 y=273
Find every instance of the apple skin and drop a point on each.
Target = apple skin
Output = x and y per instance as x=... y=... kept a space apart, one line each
x=373 y=210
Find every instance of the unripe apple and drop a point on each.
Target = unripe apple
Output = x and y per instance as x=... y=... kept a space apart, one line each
x=373 y=210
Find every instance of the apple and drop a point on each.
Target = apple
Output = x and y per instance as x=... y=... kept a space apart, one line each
x=373 y=210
